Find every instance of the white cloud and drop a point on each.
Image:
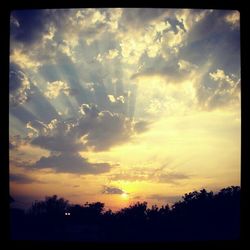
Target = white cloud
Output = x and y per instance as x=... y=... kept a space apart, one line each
x=186 y=66
x=55 y=88
x=233 y=19
x=98 y=17
x=111 y=98
x=114 y=17
x=112 y=54
x=24 y=60
x=220 y=75
x=175 y=40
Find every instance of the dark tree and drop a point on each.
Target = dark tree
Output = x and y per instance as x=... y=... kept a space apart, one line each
x=199 y=215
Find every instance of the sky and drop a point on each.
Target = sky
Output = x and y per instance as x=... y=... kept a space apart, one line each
x=123 y=105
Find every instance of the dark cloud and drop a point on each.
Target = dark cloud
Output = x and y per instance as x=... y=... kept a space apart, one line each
x=21 y=163
x=214 y=37
x=159 y=66
x=11 y=146
x=112 y=190
x=19 y=86
x=29 y=26
x=16 y=141
x=141 y=126
x=171 y=177
x=32 y=24
x=222 y=91
x=71 y=163
x=98 y=130
x=15 y=78
x=21 y=178
x=55 y=136
x=106 y=130
x=175 y=23
x=103 y=129
x=59 y=143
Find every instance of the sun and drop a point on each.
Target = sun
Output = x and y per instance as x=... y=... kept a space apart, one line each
x=124 y=196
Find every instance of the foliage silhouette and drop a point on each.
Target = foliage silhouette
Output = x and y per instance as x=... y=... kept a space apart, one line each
x=199 y=215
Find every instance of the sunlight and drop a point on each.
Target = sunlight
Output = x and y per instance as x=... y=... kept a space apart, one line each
x=124 y=196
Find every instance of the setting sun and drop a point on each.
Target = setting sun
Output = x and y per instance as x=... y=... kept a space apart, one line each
x=124 y=196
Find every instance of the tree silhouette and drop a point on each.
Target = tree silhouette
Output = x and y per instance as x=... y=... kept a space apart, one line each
x=52 y=207
x=199 y=215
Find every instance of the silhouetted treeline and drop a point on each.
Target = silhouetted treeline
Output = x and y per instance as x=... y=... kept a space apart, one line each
x=199 y=215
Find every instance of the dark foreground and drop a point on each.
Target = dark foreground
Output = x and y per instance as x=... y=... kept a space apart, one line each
x=198 y=216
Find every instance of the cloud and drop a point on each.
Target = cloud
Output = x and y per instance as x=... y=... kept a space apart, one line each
x=11 y=146
x=173 y=70
x=171 y=177
x=112 y=190
x=158 y=175
x=221 y=90
x=32 y=24
x=20 y=88
x=233 y=19
x=128 y=176
x=111 y=98
x=24 y=60
x=220 y=75
x=186 y=66
x=58 y=143
x=111 y=54
x=16 y=141
x=55 y=136
x=55 y=88
x=92 y=53
x=141 y=126
x=21 y=179
x=92 y=130
x=14 y=23
x=214 y=37
x=71 y=163
x=103 y=129
x=139 y=17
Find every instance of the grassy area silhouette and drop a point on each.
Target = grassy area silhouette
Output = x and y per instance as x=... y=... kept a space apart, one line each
x=199 y=215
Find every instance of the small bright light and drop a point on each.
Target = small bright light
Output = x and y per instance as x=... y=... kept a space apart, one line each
x=124 y=195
